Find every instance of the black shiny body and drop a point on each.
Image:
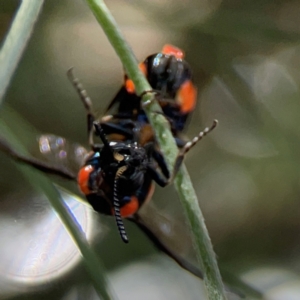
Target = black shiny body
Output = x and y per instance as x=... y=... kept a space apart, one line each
x=134 y=183
x=166 y=74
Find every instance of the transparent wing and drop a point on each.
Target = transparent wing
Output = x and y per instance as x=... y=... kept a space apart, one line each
x=60 y=152
x=170 y=227
x=170 y=233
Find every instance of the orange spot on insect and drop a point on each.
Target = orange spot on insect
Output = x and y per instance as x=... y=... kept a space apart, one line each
x=130 y=208
x=143 y=68
x=186 y=97
x=172 y=50
x=83 y=179
x=129 y=85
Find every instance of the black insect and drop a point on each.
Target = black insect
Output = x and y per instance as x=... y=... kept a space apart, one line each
x=170 y=76
x=117 y=178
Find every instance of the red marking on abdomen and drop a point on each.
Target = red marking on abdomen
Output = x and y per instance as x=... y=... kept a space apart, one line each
x=129 y=85
x=130 y=208
x=83 y=179
x=186 y=97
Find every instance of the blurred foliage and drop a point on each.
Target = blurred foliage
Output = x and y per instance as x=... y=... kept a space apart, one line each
x=245 y=58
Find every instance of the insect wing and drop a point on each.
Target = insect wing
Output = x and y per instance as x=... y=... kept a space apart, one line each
x=170 y=228
x=59 y=152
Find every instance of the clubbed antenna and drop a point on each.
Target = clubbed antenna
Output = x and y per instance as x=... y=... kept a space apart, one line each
x=116 y=205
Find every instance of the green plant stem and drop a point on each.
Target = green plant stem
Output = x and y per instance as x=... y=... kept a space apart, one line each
x=92 y=264
x=16 y=40
x=183 y=185
x=42 y=184
x=10 y=55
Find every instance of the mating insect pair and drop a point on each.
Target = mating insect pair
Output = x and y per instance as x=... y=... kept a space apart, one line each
x=127 y=166
x=117 y=177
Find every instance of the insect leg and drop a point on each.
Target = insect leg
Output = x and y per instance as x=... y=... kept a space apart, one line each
x=179 y=142
x=148 y=102
x=158 y=96
x=156 y=176
x=158 y=157
x=121 y=116
x=117 y=128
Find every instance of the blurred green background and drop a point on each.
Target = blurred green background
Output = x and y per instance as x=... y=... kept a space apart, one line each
x=245 y=56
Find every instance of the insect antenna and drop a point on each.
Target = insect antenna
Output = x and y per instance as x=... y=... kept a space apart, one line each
x=187 y=147
x=116 y=204
x=87 y=102
x=100 y=132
